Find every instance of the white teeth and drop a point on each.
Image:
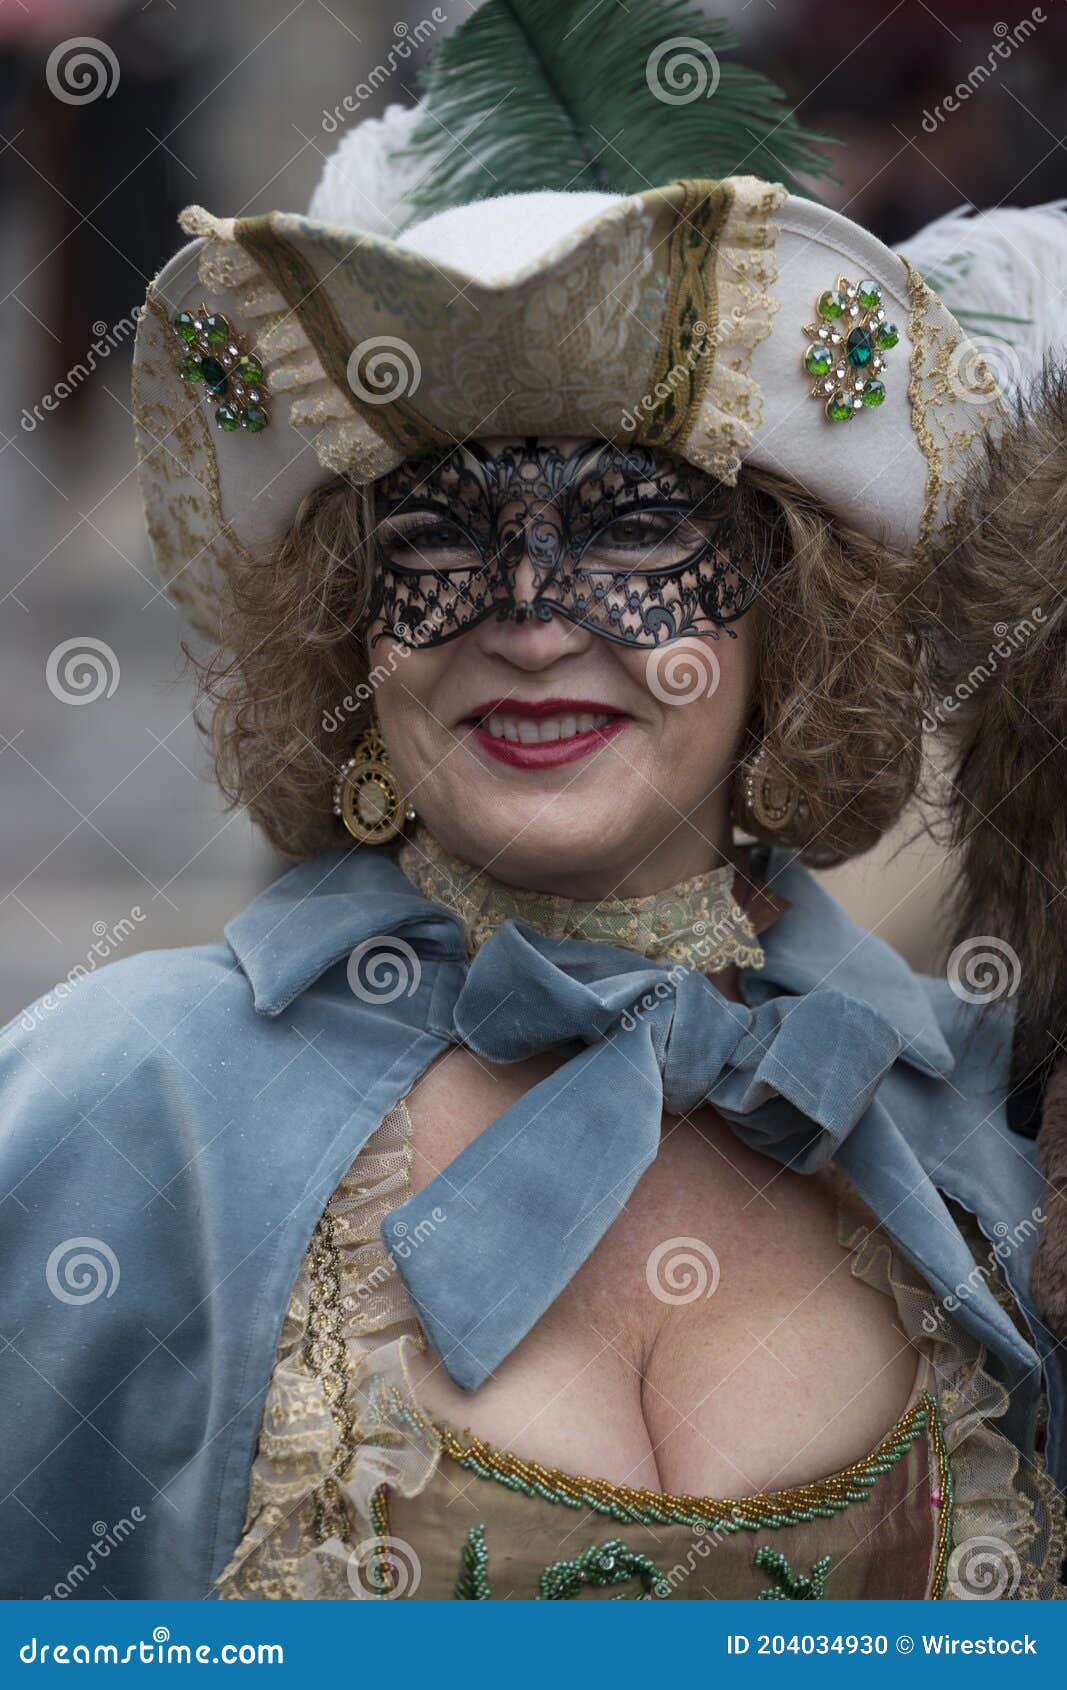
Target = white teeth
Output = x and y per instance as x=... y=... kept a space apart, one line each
x=529 y=730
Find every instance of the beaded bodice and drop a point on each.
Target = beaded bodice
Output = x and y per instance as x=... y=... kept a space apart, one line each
x=357 y=1491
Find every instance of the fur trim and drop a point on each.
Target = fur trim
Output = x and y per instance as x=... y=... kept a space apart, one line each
x=1049 y=1279
x=998 y=603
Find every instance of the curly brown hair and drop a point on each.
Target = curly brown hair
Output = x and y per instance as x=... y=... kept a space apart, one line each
x=838 y=705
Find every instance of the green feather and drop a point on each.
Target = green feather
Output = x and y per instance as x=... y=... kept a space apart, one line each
x=531 y=94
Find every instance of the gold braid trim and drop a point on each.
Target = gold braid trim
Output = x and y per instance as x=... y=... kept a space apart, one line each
x=723 y=261
x=326 y=1354
x=690 y=322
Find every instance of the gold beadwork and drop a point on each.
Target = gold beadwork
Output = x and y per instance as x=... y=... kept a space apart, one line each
x=820 y=1499
x=945 y=1506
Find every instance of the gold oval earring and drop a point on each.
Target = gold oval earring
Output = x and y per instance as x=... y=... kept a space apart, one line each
x=770 y=801
x=366 y=796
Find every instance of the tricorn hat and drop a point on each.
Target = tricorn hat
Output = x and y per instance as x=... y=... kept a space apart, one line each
x=648 y=296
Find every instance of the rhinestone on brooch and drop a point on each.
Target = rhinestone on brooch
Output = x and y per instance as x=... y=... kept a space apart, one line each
x=217 y=359
x=846 y=348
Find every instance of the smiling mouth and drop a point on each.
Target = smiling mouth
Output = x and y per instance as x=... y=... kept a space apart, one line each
x=544 y=734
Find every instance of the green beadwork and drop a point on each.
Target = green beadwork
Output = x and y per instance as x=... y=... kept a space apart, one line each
x=818 y=359
x=600 y=1566
x=856 y=342
x=473 y=1582
x=217 y=358
x=733 y=1517
x=787 y=1586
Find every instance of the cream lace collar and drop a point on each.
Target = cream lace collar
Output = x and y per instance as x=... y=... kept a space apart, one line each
x=698 y=923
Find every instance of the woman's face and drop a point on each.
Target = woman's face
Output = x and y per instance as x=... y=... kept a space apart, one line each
x=531 y=745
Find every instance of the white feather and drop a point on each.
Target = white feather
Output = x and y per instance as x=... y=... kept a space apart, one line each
x=364 y=185
x=1003 y=275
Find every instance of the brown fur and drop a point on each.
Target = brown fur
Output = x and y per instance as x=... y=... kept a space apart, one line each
x=1049 y=1281
x=1008 y=796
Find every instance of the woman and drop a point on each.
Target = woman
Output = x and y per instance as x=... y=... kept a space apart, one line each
x=551 y=1111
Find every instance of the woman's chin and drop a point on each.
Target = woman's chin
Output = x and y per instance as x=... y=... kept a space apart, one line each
x=538 y=844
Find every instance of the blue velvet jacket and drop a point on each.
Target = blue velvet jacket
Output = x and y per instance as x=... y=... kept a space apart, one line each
x=169 y=1135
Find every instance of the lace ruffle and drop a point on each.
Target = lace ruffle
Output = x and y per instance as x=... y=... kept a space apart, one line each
x=1008 y=1521
x=330 y=1438
x=344 y=436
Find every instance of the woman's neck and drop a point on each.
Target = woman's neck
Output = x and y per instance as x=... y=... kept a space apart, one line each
x=692 y=847
x=697 y=920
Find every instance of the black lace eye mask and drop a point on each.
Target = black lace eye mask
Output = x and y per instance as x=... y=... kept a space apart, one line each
x=634 y=546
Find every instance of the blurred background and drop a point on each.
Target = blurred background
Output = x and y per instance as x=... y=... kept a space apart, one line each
x=111 y=834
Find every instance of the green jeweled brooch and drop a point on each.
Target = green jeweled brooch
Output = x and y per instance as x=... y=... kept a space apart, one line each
x=217 y=358
x=846 y=348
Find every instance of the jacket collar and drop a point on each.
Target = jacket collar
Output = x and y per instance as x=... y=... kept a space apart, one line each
x=316 y=914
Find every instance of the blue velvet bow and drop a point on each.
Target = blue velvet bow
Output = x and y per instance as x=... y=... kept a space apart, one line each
x=792 y=1075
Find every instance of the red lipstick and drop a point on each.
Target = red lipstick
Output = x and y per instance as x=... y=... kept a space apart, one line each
x=548 y=754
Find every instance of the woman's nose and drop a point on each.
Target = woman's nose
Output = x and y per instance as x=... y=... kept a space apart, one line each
x=533 y=634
